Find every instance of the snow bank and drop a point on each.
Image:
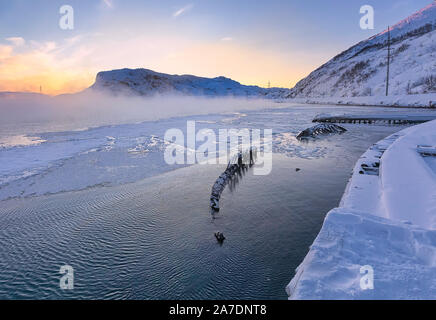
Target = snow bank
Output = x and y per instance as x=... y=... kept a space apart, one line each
x=408 y=183
x=386 y=219
x=403 y=258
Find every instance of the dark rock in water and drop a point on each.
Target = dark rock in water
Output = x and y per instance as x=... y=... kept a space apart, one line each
x=320 y=129
x=215 y=204
x=220 y=237
x=297 y=169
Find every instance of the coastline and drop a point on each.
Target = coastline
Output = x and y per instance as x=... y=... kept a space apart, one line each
x=376 y=224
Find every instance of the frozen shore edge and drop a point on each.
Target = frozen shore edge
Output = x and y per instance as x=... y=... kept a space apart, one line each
x=378 y=225
x=427 y=101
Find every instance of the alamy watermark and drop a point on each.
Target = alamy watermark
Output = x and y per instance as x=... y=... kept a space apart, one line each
x=218 y=149
x=367 y=20
x=66 y=282
x=66 y=22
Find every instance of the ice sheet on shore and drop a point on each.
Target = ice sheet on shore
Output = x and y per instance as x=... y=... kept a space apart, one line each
x=109 y=155
x=115 y=154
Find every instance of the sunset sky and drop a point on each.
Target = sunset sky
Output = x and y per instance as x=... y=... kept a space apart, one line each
x=253 y=42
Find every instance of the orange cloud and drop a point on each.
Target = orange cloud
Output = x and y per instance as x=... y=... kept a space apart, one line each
x=41 y=65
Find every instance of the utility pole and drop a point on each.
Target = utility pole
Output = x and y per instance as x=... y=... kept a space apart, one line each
x=389 y=60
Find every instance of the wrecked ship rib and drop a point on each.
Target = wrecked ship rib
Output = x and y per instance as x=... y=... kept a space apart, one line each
x=239 y=163
x=320 y=129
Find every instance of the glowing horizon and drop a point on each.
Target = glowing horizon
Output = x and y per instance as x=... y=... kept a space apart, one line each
x=258 y=43
x=66 y=67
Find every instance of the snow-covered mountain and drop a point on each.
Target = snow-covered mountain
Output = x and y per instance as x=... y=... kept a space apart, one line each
x=144 y=82
x=361 y=70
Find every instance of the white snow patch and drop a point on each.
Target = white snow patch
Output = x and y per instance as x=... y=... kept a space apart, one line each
x=19 y=141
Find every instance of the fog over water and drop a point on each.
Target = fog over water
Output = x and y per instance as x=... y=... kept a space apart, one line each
x=32 y=113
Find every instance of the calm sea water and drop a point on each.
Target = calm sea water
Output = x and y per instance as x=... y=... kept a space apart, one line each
x=154 y=239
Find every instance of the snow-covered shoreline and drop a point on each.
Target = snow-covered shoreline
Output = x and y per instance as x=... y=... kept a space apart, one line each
x=395 y=101
x=386 y=219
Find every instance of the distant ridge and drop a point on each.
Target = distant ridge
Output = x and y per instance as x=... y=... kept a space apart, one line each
x=11 y=94
x=144 y=82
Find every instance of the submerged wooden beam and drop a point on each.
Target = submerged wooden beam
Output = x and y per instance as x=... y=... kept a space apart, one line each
x=241 y=162
x=365 y=119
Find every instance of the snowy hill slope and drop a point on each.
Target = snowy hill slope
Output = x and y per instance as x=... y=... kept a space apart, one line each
x=361 y=70
x=146 y=82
